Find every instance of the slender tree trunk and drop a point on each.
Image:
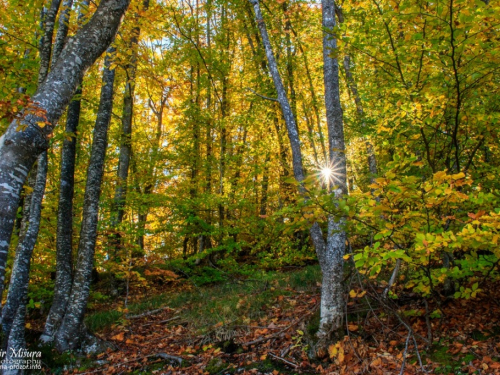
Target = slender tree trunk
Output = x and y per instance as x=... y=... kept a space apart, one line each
x=16 y=341
x=126 y=135
x=331 y=256
x=265 y=186
x=46 y=42
x=68 y=335
x=62 y=31
x=353 y=88
x=293 y=133
x=19 y=280
x=19 y=149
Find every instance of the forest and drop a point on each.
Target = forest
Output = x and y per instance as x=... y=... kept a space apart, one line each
x=249 y=187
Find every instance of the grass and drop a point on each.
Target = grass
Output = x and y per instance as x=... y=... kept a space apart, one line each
x=230 y=302
x=439 y=353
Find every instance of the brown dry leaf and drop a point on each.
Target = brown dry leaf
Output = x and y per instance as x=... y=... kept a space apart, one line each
x=118 y=337
x=352 y=327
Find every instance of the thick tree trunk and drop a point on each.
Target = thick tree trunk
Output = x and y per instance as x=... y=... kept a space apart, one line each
x=331 y=256
x=64 y=242
x=19 y=280
x=68 y=335
x=28 y=136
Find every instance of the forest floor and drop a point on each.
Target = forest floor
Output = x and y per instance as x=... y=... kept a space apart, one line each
x=266 y=325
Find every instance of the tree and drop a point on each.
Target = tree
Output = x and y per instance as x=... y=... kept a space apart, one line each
x=71 y=330
x=330 y=252
x=27 y=136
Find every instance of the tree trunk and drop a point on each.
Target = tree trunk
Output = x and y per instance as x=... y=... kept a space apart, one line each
x=126 y=136
x=17 y=341
x=331 y=256
x=62 y=31
x=293 y=133
x=351 y=83
x=19 y=280
x=64 y=241
x=68 y=335
x=19 y=149
x=46 y=41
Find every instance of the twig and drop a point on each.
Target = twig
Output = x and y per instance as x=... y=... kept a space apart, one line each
x=162 y=321
x=148 y=313
x=428 y=322
x=138 y=359
x=262 y=96
x=277 y=334
x=418 y=354
x=392 y=280
x=404 y=354
x=283 y=360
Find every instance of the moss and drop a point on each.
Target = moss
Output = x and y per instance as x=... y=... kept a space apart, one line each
x=215 y=366
x=313 y=324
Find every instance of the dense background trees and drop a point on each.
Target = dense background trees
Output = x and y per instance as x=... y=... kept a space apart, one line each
x=199 y=171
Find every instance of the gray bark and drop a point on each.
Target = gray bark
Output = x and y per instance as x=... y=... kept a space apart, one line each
x=293 y=133
x=19 y=280
x=25 y=138
x=64 y=241
x=46 y=41
x=68 y=336
x=126 y=135
x=62 y=31
x=16 y=341
x=330 y=253
x=331 y=256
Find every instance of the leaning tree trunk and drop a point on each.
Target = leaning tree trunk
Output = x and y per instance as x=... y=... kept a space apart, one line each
x=331 y=256
x=68 y=336
x=12 y=361
x=19 y=280
x=27 y=136
x=293 y=132
x=64 y=241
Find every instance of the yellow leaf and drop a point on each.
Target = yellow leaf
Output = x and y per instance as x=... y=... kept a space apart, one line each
x=332 y=350
x=41 y=124
x=352 y=294
x=341 y=354
x=458 y=176
x=352 y=327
